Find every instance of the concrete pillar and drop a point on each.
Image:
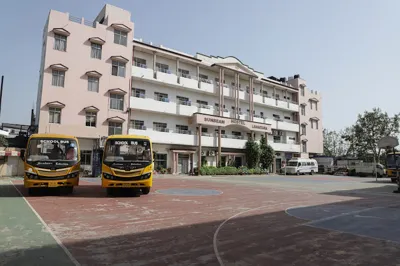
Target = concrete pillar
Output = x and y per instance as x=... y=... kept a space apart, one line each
x=266 y=138
x=154 y=65
x=199 y=150
x=177 y=70
x=220 y=90
x=221 y=107
x=198 y=75
x=234 y=96
x=174 y=163
x=237 y=97
x=274 y=165
x=219 y=147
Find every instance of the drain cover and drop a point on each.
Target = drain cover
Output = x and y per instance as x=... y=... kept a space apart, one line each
x=189 y=192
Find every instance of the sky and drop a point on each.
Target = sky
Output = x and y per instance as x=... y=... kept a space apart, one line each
x=346 y=50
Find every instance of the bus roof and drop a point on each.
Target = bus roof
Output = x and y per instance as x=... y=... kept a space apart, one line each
x=49 y=135
x=128 y=137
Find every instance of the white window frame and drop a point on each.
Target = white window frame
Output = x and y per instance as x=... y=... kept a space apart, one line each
x=303 y=110
x=120 y=37
x=53 y=111
x=60 y=42
x=96 y=50
x=91 y=117
x=58 y=78
x=113 y=127
x=93 y=84
x=304 y=146
x=303 y=129
x=118 y=68
x=117 y=101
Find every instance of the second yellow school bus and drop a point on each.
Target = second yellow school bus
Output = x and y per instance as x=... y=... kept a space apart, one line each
x=127 y=163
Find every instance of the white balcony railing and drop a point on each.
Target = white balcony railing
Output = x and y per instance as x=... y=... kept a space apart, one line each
x=139 y=71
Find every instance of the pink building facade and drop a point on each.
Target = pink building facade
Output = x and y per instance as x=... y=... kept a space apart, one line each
x=85 y=75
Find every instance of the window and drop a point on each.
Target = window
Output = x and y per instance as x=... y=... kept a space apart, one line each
x=114 y=128
x=277 y=139
x=162 y=97
x=316 y=106
x=60 y=42
x=302 y=90
x=160 y=161
x=139 y=62
x=93 y=84
x=303 y=129
x=304 y=146
x=203 y=78
x=183 y=100
x=303 y=110
x=276 y=116
x=184 y=73
x=203 y=104
x=96 y=51
x=91 y=118
x=137 y=124
x=287 y=117
x=265 y=93
x=162 y=68
x=312 y=124
x=118 y=69
x=138 y=93
x=182 y=129
x=120 y=37
x=116 y=101
x=58 y=78
x=55 y=115
x=86 y=157
x=316 y=124
x=162 y=127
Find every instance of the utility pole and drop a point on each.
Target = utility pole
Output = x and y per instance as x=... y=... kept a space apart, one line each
x=1 y=91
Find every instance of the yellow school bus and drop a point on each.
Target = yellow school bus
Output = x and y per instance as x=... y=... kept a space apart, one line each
x=393 y=165
x=51 y=160
x=127 y=163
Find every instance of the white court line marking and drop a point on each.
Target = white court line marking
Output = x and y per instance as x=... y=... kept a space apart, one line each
x=216 y=252
x=48 y=229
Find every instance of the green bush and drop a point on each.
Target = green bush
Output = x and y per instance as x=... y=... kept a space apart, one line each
x=230 y=170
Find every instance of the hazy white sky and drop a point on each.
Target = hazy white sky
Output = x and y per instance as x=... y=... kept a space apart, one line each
x=347 y=50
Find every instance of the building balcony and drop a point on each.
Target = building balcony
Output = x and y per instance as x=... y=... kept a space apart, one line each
x=167 y=77
x=141 y=71
x=286 y=147
x=207 y=86
x=153 y=105
x=207 y=140
x=288 y=126
x=189 y=82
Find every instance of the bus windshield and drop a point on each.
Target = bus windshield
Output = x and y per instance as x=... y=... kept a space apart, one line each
x=127 y=150
x=52 y=150
x=392 y=160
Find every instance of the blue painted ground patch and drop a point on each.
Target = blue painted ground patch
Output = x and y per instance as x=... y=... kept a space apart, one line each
x=189 y=192
x=381 y=223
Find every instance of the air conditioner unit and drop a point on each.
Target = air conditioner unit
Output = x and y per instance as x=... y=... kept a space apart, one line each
x=211 y=153
x=203 y=153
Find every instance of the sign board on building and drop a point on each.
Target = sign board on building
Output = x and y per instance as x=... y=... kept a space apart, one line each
x=224 y=122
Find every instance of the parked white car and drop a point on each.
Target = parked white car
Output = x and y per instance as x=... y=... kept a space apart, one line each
x=302 y=166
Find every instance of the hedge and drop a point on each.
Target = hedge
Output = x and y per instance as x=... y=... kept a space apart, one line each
x=230 y=170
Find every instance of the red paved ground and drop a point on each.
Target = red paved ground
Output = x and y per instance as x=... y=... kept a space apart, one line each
x=178 y=230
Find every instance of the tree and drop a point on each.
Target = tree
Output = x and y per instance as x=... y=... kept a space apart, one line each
x=252 y=153
x=335 y=143
x=266 y=154
x=369 y=129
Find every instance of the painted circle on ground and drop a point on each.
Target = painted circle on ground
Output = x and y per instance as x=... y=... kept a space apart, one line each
x=189 y=192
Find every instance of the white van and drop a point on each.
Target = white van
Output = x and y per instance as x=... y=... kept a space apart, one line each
x=302 y=166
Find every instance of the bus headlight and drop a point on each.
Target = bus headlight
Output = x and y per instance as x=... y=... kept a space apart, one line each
x=73 y=175
x=146 y=176
x=31 y=175
x=108 y=176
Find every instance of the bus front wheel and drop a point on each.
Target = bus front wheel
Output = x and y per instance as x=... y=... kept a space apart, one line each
x=145 y=190
x=33 y=191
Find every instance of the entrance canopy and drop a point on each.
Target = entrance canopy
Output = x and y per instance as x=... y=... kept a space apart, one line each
x=219 y=121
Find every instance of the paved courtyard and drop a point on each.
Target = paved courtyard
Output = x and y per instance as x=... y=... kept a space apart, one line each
x=261 y=220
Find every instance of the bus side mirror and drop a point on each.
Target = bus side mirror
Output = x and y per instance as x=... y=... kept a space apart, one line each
x=22 y=155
